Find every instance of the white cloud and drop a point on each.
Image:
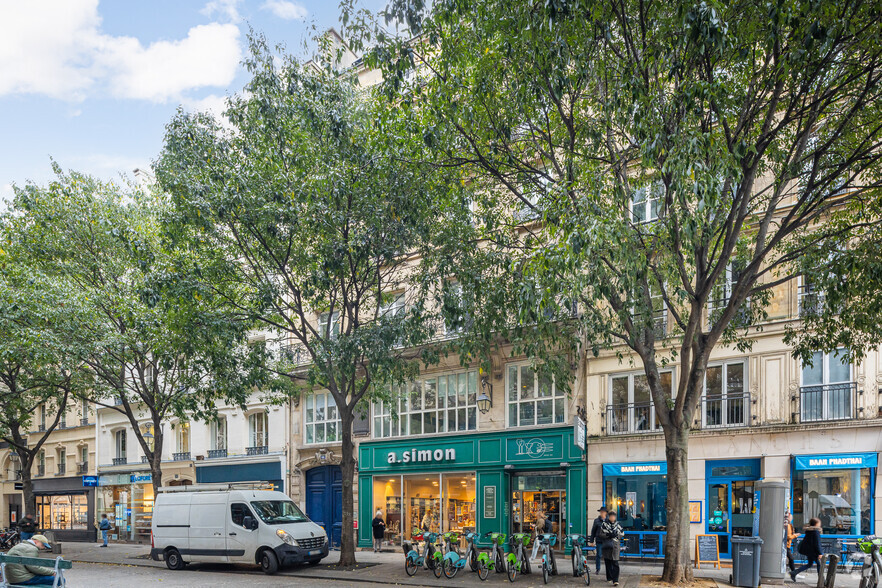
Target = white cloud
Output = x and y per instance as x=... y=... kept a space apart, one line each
x=57 y=48
x=227 y=8
x=212 y=104
x=285 y=9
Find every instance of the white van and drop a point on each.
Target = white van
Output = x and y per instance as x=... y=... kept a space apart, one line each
x=223 y=523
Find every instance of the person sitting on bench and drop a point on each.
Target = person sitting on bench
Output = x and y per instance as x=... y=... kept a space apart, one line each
x=30 y=575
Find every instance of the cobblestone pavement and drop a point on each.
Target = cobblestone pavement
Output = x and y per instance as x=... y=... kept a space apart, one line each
x=120 y=565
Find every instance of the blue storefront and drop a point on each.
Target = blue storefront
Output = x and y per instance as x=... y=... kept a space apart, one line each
x=638 y=492
x=266 y=472
x=839 y=490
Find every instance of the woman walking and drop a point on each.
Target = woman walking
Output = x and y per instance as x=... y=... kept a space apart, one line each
x=611 y=534
x=810 y=547
x=379 y=526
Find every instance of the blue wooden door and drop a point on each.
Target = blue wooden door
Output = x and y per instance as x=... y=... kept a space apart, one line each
x=324 y=500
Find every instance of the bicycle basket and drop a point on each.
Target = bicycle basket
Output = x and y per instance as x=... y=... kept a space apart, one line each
x=866 y=544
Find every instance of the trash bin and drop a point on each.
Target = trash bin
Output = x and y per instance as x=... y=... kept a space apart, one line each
x=746 y=561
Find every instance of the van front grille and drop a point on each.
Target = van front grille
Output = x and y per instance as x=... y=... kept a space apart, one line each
x=311 y=543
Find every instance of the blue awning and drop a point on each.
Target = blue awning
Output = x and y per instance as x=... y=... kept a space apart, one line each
x=835 y=461
x=650 y=468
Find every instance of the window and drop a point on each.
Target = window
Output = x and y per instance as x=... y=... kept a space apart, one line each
x=841 y=499
x=533 y=399
x=322 y=419
x=120 y=444
x=333 y=329
x=278 y=512
x=41 y=462
x=429 y=406
x=257 y=429
x=723 y=292
x=639 y=501
x=630 y=408
x=42 y=417
x=659 y=312
x=646 y=202
x=724 y=402
x=393 y=304
x=62 y=460
x=63 y=513
x=218 y=432
x=827 y=390
x=811 y=297
x=183 y=437
x=84 y=409
x=238 y=512
x=456 y=317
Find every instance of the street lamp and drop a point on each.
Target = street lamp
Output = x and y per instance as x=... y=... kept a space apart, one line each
x=485 y=400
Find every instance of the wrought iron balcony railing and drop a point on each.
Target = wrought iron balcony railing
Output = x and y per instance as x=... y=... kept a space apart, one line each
x=216 y=453
x=82 y=468
x=721 y=412
x=631 y=418
x=120 y=461
x=62 y=469
x=181 y=456
x=258 y=450
x=829 y=402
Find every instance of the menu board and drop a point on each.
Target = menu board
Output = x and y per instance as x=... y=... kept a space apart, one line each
x=489 y=502
x=707 y=550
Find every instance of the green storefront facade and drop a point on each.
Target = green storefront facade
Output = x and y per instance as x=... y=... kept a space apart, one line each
x=493 y=481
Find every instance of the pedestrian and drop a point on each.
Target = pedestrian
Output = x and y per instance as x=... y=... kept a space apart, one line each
x=539 y=528
x=379 y=526
x=789 y=536
x=428 y=519
x=27 y=527
x=810 y=547
x=22 y=575
x=104 y=527
x=611 y=533
x=595 y=529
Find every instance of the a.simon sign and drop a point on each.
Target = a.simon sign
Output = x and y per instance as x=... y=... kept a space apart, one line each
x=422 y=456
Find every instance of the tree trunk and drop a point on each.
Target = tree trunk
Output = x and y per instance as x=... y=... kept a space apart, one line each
x=347 y=470
x=27 y=490
x=155 y=459
x=678 y=560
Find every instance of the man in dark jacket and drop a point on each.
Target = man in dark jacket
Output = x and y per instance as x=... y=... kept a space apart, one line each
x=810 y=547
x=27 y=527
x=595 y=529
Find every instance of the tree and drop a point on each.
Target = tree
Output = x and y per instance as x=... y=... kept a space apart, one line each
x=153 y=343
x=37 y=370
x=678 y=158
x=307 y=221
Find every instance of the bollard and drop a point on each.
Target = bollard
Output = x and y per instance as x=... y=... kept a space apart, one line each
x=832 y=566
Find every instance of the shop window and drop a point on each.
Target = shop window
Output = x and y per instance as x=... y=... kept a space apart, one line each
x=630 y=408
x=532 y=494
x=724 y=403
x=827 y=392
x=434 y=502
x=62 y=513
x=258 y=430
x=429 y=406
x=639 y=501
x=533 y=398
x=322 y=419
x=841 y=499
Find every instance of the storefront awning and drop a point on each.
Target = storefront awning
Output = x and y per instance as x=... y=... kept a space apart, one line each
x=835 y=461
x=650 y=468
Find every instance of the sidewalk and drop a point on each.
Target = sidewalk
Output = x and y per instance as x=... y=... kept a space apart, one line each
x=388 y=568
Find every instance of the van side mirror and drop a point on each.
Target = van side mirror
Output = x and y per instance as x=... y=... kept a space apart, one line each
x=249 y=523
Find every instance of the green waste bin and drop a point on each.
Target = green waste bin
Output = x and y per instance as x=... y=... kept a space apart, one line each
x=746 y=561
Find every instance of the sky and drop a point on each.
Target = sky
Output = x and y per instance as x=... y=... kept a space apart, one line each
x=92 y=84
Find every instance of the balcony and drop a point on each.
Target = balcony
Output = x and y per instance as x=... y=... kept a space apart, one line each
x=829 y=402
x=120 y=461
x=82 y=468
x=181 y=456
x=84 y=422
x=258 y=450
x=631 y=418
x=216 y=453
x=41 y=470
x=723 y=412
x=62 y=469
x=41 y=428
x=62 y=424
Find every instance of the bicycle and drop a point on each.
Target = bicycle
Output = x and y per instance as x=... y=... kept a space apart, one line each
x=9 y=538
x=872 y=570
x=517 y=559
x=549 y=565
x=580 y=562
x=430 y=559
x=497 y=563
x=453 y=561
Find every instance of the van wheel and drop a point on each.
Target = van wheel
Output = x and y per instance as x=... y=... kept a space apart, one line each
x=269 y=563
x=173 y=559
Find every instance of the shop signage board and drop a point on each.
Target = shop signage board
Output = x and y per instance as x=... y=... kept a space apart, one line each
x=422 y=456
x=635 y=469
x=841 y=461
x=526 y=449
x=141 y=478
x=707 y=550
x=489 y=502
x=19 y=486
x=580 y=432
x=694 y=511
x=90 y=481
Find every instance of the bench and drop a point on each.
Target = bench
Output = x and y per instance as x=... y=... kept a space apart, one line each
x=58 y=563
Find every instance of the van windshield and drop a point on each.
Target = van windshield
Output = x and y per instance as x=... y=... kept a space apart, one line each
x=278 y=512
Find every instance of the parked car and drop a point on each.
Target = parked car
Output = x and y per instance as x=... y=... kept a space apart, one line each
x=216 y=523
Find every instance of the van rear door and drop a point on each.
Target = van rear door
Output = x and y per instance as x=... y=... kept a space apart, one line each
x=207 y=541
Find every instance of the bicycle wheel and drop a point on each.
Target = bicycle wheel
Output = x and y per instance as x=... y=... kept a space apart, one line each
x=410 y=566
x=483 y=570
x=586 y=574
x=545 y=571
x=473 y=561
x=436 y=566
x=450 y=569
x=577 y=567
x=512 y=569
x=500 y=561
x=526 y=563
